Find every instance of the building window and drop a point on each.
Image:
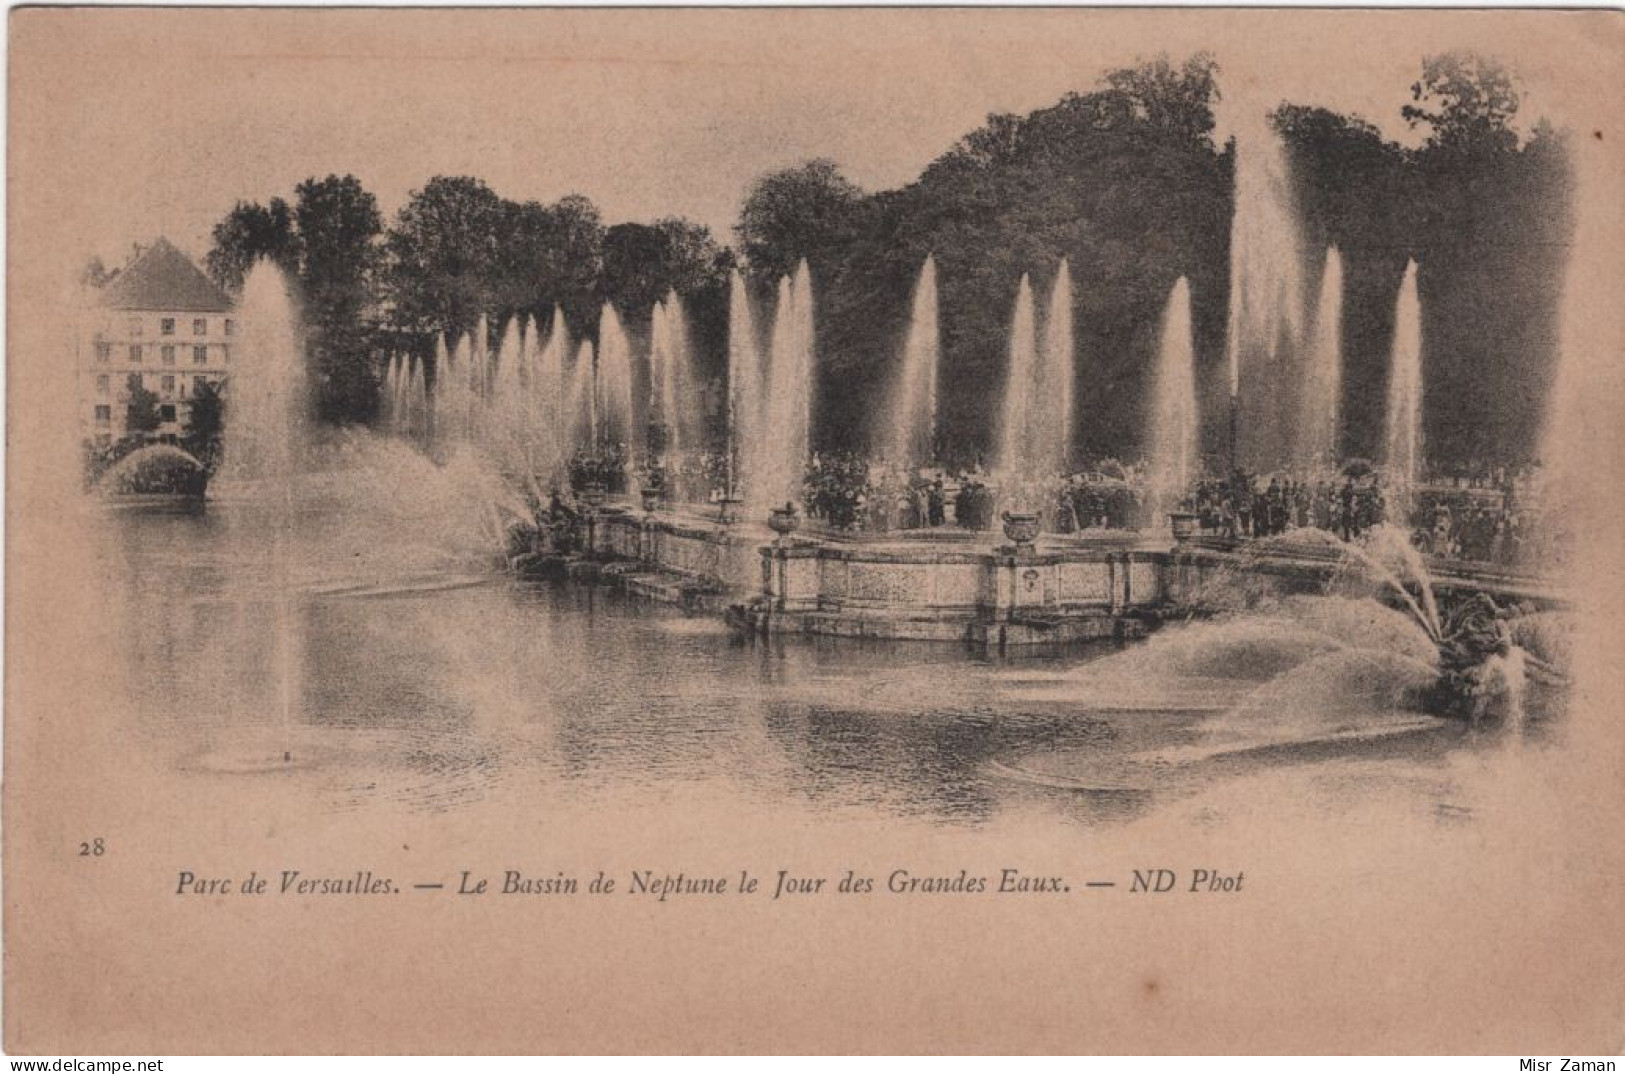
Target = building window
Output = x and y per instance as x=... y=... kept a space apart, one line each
x=200 y=326
x=104 y=414
x=135 y=352
x=166 y=412
x=229 y=326
x=167 y=352
x=167 y=326
x=135 y=326
x=198 y=384
x=104 y=352
x=225 y=353
x=103 y=385
x=169 y=385
x=200 y=355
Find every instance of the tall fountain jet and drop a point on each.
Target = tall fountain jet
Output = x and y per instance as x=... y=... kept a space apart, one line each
x=389 y=395
x=617 y=415
x=268 y=424
x=549 y=388
x=1266 y=292
x=1175 y=420
x=479 y=367
x=744 y=384
x=1036 y=435
x=1019 y=380
x=454 y=398
x=399 y=388
x=416 y=407
x=268 y=392
x=436 y=409
x=505 y=380
x=503 y=426
x=580 y=403
x=668 y=371
x=781 y=447
x=911 y=435
x=1319 y=409
x=1060 y=374
x=1403 y=458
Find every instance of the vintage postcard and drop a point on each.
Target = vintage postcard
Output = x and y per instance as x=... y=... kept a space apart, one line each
x=850 y=530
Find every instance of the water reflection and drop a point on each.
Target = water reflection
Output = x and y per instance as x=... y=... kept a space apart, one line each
x=431 y=690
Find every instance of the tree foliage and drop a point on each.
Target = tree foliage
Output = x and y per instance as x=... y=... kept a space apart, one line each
x=1484 y=213
x=807 y=211
x=1124 y=182
x=249 y=232
x=327 y=243
x=141 y=414
x=205 y=422
x=442 y=248
x=338 y=225
x=1467 y=101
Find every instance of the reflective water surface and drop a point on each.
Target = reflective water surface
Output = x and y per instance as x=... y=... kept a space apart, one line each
x=390 y=669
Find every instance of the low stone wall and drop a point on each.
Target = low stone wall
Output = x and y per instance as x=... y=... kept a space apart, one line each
x=701 y=552
x=953 y=591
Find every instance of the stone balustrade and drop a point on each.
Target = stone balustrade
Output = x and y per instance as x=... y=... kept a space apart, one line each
x=953 y=591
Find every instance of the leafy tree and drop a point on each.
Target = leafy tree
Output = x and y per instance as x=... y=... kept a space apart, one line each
x=441 y=251
x=205 y=421
x=576 y=258
x=1467 y=101
x=694 y=261
x=1169 y=99
x=1486 y=219
x=141 y=408
x=338 y=227
x=248 y=233
x=523 y=275
x=1124 y=182
x=643 y=262
x=328 y=243
x=807 y=211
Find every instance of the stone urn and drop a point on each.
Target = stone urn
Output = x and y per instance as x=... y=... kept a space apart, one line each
x=1021 y=527
x=784 y=520
x=651 y=498
x=1183 y=524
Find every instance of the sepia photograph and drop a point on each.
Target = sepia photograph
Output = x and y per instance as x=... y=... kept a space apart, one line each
x=852 y=530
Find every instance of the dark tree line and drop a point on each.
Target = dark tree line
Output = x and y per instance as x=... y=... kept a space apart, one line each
x=455 y=251
x=1486 y=214
x=326 y=242
x=1126 y=182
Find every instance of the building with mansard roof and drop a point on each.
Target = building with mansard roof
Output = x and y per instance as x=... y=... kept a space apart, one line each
x=160 y=324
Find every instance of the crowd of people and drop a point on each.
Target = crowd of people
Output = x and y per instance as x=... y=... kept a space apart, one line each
x=1460 y=524
x=1245 y=506
x=1474 y=515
